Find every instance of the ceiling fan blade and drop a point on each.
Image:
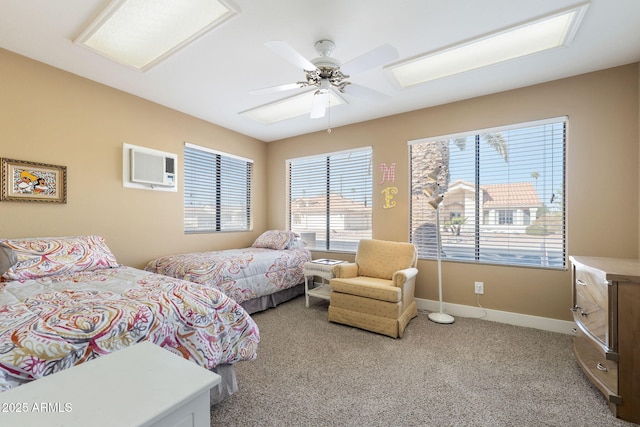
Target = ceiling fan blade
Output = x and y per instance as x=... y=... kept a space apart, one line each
x=285 y=51
x=374 y=58
x=274 y=89
x=319 y=105
x=366 y=93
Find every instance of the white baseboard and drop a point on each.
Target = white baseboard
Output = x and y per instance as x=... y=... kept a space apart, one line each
x=544 y=323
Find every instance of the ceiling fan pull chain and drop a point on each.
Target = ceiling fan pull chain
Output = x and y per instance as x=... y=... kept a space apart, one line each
x=329 y=115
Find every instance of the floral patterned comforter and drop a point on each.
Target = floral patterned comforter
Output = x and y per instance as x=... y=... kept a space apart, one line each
x=242 y=274
x=52 y=323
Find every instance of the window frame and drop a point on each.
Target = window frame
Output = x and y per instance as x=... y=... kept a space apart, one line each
x=362 y=218
x=505 y=217
x=520 y=216
x=214 y=221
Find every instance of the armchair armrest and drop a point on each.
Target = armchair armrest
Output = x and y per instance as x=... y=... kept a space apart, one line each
x=406 y=281
x=403 y=276
x=345 y=270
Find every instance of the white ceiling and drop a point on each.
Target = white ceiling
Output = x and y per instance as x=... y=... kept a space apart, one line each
x=211 y=78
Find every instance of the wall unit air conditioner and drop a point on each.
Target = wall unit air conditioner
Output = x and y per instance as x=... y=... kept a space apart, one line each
x=148 y=168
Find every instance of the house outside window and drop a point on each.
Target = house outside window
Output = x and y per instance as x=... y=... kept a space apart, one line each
x=217 y=191
x=503 y=194
x=329 y=199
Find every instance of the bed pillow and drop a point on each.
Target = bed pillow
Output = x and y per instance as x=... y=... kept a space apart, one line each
x=40 y=257
x=8 y=258
x=275 y=239
x=297 y=243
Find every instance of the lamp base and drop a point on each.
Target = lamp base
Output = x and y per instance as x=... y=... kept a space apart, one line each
x=441 y=318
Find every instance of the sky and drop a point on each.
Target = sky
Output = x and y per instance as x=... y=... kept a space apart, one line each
x=537 y=150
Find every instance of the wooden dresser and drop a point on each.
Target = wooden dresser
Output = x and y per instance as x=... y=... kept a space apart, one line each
x=606 y=309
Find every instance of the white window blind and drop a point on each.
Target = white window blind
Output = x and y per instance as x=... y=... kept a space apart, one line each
x=217 y=191
x=330 y=199
x=504 y=195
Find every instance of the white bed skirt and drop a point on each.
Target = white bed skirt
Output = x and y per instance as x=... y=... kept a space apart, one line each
x=227 y=386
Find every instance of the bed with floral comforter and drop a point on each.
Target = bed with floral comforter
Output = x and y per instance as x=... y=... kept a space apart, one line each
x=273 y=265
x=65 y=301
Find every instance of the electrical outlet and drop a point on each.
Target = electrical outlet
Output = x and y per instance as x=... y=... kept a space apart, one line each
x=479 y=288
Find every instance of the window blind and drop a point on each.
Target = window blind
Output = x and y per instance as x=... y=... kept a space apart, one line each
x=217 y=191
x=504 y=195
x=330 y=199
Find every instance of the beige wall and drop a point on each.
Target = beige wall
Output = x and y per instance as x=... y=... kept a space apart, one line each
x=50 y=116
x=602 y=180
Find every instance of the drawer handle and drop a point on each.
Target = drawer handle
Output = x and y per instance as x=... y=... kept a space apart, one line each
x=601 y=367
x=581 y=282
x=582 y=312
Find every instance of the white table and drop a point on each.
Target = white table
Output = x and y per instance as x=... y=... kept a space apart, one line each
x=142 y=385
x=325 y=272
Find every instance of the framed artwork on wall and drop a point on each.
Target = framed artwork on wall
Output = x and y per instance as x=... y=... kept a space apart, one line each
x=24 y=181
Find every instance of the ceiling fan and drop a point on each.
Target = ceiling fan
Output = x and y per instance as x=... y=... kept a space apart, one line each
x=327 y=73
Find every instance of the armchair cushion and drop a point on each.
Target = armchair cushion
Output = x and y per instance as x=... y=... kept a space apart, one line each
x=368 y=287
x=380 y=258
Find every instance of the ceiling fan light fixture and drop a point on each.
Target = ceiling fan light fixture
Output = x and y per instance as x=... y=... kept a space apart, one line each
x=531 y=37
x=288 y=108
x=141 y=33
x=324 y=86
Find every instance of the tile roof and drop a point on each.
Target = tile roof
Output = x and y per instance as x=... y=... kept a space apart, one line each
x=517 y=194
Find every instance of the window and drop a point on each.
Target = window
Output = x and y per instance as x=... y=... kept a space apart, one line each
x=330 y=199
x=505 y=217
x=217 y=191
x=503 y=194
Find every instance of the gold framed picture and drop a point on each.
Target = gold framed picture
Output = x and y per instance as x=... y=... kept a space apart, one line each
x=33 y=182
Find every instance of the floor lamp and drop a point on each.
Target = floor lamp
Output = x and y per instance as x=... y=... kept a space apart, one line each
x=437 y=198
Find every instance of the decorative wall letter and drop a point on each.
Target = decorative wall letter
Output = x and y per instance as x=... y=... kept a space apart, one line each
x=388 y=196
x=388 y=173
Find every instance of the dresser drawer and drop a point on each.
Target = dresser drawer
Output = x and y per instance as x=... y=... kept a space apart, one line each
x=592 y=299
x=597 y=364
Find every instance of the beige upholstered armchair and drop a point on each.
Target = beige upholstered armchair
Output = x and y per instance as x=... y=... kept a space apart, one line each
x=376 y=291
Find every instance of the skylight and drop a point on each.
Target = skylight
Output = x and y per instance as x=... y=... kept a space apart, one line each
x=525 y=39
x=141 y=33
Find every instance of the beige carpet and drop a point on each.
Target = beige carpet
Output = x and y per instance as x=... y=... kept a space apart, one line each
x=310 y=372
